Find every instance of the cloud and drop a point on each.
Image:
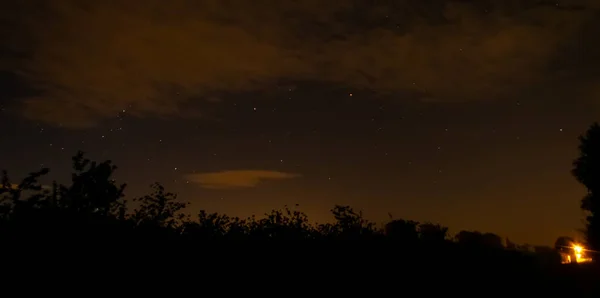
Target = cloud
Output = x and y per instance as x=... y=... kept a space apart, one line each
x=91 y=60
x=237 y=178
x=14 y=186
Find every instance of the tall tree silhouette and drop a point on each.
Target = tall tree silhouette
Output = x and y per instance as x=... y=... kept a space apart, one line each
x=586 y=169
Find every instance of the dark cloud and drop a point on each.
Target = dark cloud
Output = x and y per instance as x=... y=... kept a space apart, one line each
x=94 y=59
x=237 y=178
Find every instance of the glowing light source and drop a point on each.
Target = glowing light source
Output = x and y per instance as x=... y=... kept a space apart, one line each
x=578 y=251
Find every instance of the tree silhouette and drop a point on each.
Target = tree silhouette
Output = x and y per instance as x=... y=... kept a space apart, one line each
x=510 y=245
x=547 y=254
x=348 y=224
x=84 y=207
x=92 y=190
x=492 y=240
x=469 y=238
x=5 y=201
x=159 y=209
x=214 y=226
x=284 y=224
x=403 y=230
x=586 y=169
x=433 y=233
x=563 y=243
x=15 y=206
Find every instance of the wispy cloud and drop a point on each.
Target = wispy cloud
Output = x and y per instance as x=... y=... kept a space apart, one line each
x=237 y=178
x=16 y=186
x=91 y=60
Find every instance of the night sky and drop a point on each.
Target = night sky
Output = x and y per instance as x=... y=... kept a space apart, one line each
x=464 y=112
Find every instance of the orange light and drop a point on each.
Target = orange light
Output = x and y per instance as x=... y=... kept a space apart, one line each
x=579 y=254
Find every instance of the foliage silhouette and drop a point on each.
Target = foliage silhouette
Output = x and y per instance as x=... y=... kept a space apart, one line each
x=92 y=207
x=586 y=169
x=160 y=209
x=563 y=243
x=214 y=226
x=433 y=233
x=405 y=230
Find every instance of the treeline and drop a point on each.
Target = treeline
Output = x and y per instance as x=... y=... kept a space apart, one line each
x=91 y=219
x=93 y=205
